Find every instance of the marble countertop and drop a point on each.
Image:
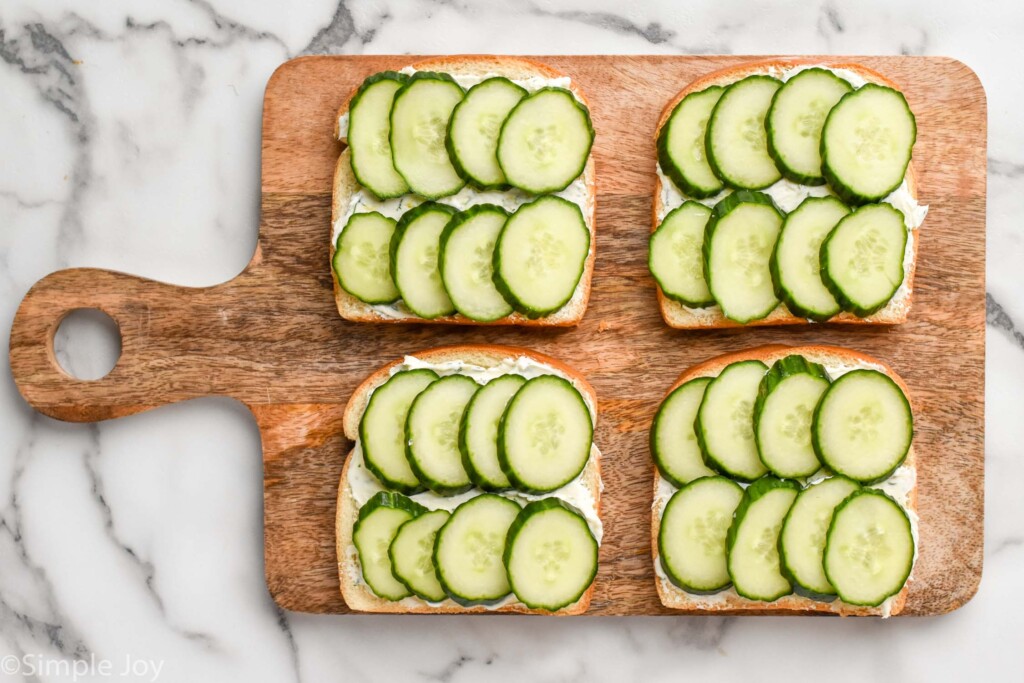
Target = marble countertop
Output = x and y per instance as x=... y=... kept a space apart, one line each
x=130 y=135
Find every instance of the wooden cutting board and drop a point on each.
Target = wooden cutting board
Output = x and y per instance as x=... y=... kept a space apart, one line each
x=272 y=338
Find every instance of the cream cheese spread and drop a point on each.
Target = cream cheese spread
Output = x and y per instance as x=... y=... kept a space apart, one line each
x=788 y=195
x=362 y=201
x=851 y=77
x=363 y=485
x=899 y=485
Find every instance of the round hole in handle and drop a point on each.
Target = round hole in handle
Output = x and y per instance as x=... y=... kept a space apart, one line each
x=87 y=343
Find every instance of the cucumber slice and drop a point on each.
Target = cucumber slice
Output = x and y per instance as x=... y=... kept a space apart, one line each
x=412 y=555
x=869 y=551
x=681 y=151
x=361 y=258
x=378 y=522
x=545 y=141
x=419 y=126
x=753 y=539
x=863 y=426
x=545 y=435
x=738 y=244
x=795 y=119
x=369 y=127
x=382 y=429
x=540 y=255
x=676 y=259
x=467 y=262
x=786 y=399
x=478 y=433
x=432 y=434
x=796 y=261
x=414 y=259
x=550 y=554
x=673 y=440
x=866 y=143
x=802 y=541
x=736 y=141
x=473 y=129
x=725 y=421
x=862 y=258
x=691 y=541
x=468 y=550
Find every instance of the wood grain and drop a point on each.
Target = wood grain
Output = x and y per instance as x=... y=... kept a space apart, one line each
x=272 y=338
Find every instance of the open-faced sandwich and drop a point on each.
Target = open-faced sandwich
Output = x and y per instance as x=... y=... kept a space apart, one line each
x=785 y=194
x=465 y=195
x=474 y=485
x=785 y=480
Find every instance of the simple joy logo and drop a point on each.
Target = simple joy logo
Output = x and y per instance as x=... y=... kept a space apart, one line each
x=51 y=668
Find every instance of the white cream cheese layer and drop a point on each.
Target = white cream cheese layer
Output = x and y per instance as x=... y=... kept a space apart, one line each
x=788 y=195
x=851 y=77
x=362 y=201
x=363 y=485
x=899 y=485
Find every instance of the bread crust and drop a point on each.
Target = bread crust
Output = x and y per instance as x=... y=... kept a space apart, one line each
x=674 y=598
x=675 y=314
x=357 y=595
x=345 y=185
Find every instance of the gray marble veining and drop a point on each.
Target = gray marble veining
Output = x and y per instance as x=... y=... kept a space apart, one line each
x=130 y=138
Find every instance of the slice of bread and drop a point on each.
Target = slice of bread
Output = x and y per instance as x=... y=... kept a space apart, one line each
x=679 y=316
x=356 y=593
x=729 y=600
x=346 y=187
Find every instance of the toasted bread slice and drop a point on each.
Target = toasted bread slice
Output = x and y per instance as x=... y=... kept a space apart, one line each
x=346 y=187
x=679 y=316
x=356 y=593
x=729 y=600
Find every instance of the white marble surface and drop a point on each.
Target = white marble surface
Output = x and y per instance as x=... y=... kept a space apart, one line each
x=129 y=133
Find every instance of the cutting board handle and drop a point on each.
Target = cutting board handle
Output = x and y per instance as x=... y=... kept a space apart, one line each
x=174 y=344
